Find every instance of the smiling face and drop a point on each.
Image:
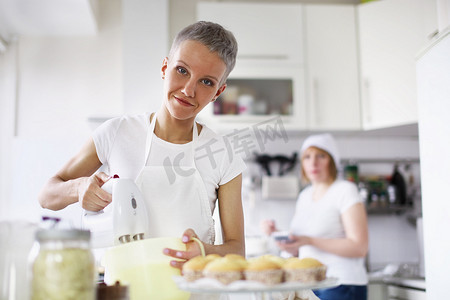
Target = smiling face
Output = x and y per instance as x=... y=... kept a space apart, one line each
x=316 y=165
x=191 y=79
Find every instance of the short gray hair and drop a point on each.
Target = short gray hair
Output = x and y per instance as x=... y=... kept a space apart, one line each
x=216 y=38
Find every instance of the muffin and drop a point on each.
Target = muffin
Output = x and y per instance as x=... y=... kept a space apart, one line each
x=306 y=270
x=193 y=268
x=211 y=257
x=237 y=258
x=224 y=269
x=265 y=270
x=277 y=259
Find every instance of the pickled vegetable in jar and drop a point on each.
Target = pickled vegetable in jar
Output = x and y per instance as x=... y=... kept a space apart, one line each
x=63 y=267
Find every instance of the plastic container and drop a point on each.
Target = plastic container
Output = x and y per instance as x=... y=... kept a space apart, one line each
x=62 y=265
x=145 y=269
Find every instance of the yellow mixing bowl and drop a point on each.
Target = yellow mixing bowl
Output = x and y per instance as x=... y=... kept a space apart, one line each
x=145 y=269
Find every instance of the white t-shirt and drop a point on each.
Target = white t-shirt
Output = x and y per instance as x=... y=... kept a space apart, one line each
x=120 y=145
x=323 y=219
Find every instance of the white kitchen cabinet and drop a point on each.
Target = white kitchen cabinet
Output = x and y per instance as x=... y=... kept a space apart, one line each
x=391 y=34
x=434 y=132
x=286 y=99
x=331 y=61
x=269 y=71
x=405 y=293
x=267 y=31
x=443 y=14
x=376 y=291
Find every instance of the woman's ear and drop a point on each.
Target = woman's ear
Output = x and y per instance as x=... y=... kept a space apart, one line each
x=164 y=67
x=219 y=91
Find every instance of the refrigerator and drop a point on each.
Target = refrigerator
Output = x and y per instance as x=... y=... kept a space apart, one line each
x=433 y=80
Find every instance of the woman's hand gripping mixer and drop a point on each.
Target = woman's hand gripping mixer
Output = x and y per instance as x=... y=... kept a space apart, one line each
x=122 y=221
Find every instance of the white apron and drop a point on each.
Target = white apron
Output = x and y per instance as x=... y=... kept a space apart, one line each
x=175 y=206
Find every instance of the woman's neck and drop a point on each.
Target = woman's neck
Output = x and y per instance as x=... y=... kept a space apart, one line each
x=320 y=188
x=172 y=130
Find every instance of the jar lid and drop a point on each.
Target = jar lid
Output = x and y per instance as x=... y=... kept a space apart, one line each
x=62 y=234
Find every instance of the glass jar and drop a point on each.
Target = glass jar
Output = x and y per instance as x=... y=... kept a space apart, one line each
x=63 y=265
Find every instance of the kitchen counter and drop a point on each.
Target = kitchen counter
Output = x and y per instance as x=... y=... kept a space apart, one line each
x=395 y=287
x=415 y=283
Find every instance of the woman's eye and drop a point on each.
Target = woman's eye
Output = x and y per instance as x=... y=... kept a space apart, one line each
x=208 y=82
x=181 y=70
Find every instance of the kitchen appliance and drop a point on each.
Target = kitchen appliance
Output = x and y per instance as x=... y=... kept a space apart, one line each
x=130 y=256
x=124 y=220
x=278 y=185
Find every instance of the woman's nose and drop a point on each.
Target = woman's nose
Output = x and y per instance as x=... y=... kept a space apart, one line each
x=189 y=88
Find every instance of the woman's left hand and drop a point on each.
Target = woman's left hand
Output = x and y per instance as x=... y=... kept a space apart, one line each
x=291 y=246
x=192 y=250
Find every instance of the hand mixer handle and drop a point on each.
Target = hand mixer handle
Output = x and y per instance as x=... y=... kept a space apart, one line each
x=108 y=185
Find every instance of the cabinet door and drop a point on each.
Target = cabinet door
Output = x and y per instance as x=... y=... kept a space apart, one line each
x=403 y=293
x=376 y=291
x=264 y=89
x=270 y=40
x=332 y=67
x=265 y=31
x=392 y=32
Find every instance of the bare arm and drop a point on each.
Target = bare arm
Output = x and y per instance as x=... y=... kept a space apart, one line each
x=232 y=219
x=76 y=182
x=354 y=244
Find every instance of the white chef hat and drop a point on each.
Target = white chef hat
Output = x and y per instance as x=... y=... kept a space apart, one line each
x=325 y=142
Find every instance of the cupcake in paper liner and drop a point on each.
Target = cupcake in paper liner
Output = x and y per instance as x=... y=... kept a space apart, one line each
x=308 y=270
x=237 y=258
x=225 y=270
x=193 y=268
x=264 y=270
x=277 y=259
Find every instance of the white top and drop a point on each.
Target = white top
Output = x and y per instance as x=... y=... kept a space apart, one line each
x=323 y=219
x=120 y=144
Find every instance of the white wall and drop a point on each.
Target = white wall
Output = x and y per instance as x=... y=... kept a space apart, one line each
x=7 y=120
x=145 y=44
x=61 y=82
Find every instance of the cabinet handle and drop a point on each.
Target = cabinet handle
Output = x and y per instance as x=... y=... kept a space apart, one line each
x=315 y=116
x=366 y=98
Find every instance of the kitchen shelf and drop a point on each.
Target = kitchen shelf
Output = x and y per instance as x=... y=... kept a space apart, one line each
x=380 y=161
x=397 y=209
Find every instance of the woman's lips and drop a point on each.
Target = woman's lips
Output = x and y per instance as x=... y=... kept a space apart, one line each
x=314 y=172
x=182 y=102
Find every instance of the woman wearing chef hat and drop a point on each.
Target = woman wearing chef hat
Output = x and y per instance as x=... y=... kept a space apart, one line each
x=330 y=222
x=182 y=168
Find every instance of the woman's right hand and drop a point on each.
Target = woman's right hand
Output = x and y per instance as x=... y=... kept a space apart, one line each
x=268 y=226
x=90 y=194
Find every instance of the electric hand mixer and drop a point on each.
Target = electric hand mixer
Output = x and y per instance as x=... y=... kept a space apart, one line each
x=124 y=220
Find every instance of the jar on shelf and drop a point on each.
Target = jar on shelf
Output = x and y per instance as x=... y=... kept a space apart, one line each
x=62 y=265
